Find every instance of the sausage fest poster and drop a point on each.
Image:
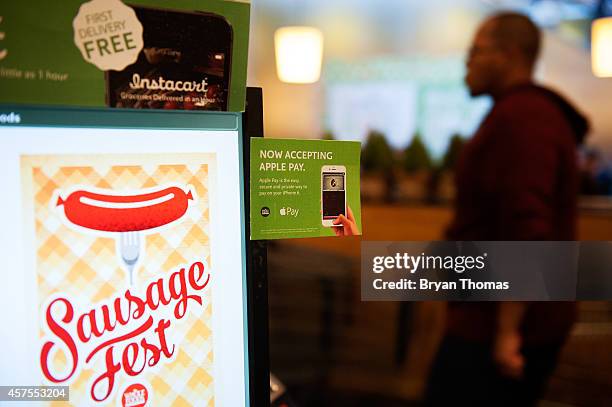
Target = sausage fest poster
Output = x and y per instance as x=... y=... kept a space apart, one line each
x=122 y=256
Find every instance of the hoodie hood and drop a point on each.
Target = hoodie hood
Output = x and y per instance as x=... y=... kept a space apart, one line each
x=578 y=122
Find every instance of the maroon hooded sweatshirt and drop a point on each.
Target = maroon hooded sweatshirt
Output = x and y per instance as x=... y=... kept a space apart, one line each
x=517 y=179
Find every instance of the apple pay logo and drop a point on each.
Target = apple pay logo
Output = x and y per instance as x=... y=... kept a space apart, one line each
x=289 y=211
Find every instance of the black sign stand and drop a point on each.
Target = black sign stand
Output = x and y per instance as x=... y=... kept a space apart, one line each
x=257 y=267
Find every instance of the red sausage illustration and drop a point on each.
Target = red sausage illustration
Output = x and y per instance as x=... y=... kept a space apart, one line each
x=125 y=213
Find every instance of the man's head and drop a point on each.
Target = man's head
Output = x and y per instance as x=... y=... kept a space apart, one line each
x=504 y=52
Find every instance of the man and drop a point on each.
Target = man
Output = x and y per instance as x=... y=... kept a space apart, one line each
x=516 y=179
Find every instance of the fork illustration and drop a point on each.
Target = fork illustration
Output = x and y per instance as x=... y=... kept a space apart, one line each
x=129 y=247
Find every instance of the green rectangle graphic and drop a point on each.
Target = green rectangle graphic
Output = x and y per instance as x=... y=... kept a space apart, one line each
x=142 y=54
x=304 y=188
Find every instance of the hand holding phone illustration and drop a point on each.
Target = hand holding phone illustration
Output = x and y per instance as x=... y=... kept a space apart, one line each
x=347 y=226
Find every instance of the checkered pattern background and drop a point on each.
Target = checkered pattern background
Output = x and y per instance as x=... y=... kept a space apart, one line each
x=87 y=266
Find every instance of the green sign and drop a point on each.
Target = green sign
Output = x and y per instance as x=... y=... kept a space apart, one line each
x=304 y=188
x=154 y=54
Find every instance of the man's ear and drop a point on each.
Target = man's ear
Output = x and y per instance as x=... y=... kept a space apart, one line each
x=514 y=54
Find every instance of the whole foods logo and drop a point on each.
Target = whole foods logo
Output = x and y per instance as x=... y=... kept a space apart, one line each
x=135 y=395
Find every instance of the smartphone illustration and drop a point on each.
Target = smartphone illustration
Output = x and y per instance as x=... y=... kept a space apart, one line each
x=333 y=193
x=185 y=63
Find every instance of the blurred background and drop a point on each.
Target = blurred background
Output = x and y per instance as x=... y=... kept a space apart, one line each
x=392 y=78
